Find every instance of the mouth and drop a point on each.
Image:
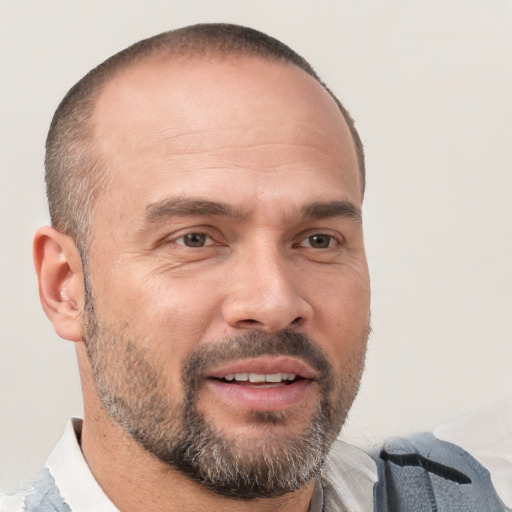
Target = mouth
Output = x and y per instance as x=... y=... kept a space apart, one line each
x=262 y=384
x=261 y=380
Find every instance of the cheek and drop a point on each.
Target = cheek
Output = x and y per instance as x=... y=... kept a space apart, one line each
x=168 y=316
x=342 y=315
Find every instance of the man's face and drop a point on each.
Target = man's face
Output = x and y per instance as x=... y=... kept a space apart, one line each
x=228 y=305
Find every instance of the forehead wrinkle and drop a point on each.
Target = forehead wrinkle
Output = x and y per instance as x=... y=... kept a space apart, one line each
x=220 y=140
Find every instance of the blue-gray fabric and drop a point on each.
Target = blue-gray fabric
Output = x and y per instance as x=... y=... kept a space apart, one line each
x=45 y=495
x=416 y=474
x=425 y=474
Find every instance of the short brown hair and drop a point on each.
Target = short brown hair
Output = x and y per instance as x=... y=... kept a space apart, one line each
x=73 y=173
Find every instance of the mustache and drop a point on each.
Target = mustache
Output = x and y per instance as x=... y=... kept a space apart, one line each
x=251 y=345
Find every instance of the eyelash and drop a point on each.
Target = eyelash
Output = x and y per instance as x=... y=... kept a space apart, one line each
x=331 y=240
x=199 y=234
x=200 y=238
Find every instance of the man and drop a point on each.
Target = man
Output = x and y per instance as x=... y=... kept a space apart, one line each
x=206 y=256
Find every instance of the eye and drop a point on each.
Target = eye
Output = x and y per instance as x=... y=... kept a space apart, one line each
x=319 y=241
x=194 y=240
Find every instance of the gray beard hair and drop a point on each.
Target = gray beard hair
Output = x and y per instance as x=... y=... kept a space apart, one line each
x=129 y=386
x=243 y=469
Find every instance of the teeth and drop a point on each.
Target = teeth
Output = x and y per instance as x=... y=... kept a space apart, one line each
x=260 y=377
x=256 y=377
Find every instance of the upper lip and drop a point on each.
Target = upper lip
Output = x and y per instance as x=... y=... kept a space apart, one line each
x=264 y=365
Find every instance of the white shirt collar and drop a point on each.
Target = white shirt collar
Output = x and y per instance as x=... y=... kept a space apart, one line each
x=348 y=479
x=72 y=475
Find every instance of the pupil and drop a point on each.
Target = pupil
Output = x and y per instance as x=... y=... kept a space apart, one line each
x=320 y=241
x=195 y=239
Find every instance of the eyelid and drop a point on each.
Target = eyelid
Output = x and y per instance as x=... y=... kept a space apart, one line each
x=332 y=242
x=182 y=237
x=214 y=237
x=338 y=238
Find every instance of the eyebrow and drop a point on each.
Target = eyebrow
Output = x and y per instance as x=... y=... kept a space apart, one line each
x=322 y=210
x=178 y=206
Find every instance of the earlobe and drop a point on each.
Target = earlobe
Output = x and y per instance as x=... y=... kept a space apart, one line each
x=60 y=275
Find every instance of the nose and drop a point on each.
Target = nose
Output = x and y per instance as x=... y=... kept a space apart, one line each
x=262 y=294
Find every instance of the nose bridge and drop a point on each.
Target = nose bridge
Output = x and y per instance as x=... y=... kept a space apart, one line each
x=263 y=291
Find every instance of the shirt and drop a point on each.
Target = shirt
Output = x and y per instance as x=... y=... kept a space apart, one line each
x=346 y=484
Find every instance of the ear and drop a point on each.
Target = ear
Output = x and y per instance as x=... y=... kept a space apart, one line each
x=61 y=284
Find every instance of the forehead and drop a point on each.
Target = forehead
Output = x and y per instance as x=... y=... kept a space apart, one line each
x=193 y=121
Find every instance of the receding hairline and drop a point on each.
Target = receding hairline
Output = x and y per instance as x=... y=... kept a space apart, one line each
x=74 y=170
x=185 y=56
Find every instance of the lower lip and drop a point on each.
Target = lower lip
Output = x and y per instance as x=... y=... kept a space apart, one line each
x=261 y=398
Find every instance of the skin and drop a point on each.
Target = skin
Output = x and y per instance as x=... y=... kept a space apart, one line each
x=266 y=140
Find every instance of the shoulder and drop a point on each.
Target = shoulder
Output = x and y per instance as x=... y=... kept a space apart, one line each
x=39 y=495
x=423 y=473
x=486 y=433
x=12 y=503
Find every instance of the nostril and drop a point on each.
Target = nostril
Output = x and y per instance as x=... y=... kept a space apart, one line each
x=297 y=321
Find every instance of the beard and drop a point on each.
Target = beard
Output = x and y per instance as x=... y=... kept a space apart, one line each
x=133 y=389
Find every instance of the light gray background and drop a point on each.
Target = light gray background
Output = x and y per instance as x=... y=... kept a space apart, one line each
x=429 y=84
